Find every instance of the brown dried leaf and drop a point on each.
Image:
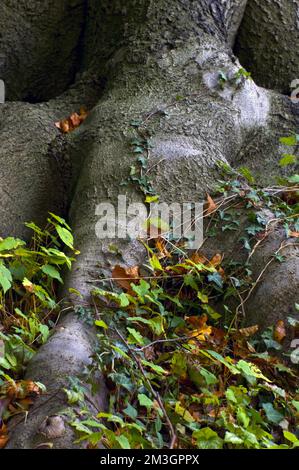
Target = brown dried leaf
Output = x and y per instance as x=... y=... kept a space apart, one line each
x=199 y=258
x=279 y=332
x=3 y=436
x=294 y=234
x=249 y=331
x=216 y=260
x=161 y=247
x=72 y=122
x=211 y=205
x=125 y=276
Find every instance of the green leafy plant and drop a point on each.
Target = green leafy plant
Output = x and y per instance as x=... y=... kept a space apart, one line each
x=30 y=276
x=180 y=369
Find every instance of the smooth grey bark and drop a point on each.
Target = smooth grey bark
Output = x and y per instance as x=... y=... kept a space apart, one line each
x=148 y=54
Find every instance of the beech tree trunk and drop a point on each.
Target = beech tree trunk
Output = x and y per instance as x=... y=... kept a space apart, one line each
x=126 y=61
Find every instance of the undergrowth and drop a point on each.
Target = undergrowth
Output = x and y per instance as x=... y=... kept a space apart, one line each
x=181 y=369
x=29 y=279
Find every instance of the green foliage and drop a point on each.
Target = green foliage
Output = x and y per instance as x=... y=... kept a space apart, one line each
x=29 y=279
x=181 y=372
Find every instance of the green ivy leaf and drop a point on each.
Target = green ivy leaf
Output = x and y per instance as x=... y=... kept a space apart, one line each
x=207 y=439
x=145 y=401
x=135 y=337
x=272 y=414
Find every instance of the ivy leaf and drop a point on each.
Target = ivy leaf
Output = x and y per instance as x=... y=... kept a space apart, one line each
x=272 y=414
x=231 y=438
x=145 y=401
x=216 y=279
x=181 y=411
x=251 y=370
x=290 y=437
x=135 y=337
x=155 y=367
x=131 y=412
x=207 y=439
x=142 y=289
x=101 y=324
x=123 y=442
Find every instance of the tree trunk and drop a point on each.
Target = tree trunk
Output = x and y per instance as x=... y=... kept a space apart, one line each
x=147 y=54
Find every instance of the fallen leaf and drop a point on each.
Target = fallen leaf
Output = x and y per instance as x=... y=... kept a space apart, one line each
x=72 y=122
x=75 y=120
x=201 y=328
x=294 y=234
x=249 y=331
x=211 y=205
x=199 y=258
x=161 y=247
x=216 y=260
x=125 y=276
x=3 y=436
x=279 y=332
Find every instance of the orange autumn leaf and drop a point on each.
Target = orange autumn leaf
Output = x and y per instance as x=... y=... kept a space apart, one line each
x=294 y=234
x=31 y=387
x=211 y=205
x=125 y=276
x=218 y=336
x=161 y=247
x=22 y=389
x=221 y=272
x=197 y=321
x=249 y=331
x=72 y=122
x=216 y=260
x=201 y=328
x=3 y=436
x=199 y=258
x=3 y=441
x=279 y=332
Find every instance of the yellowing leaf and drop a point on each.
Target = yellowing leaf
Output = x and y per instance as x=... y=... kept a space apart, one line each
x=155 y=263
x=181 y=411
